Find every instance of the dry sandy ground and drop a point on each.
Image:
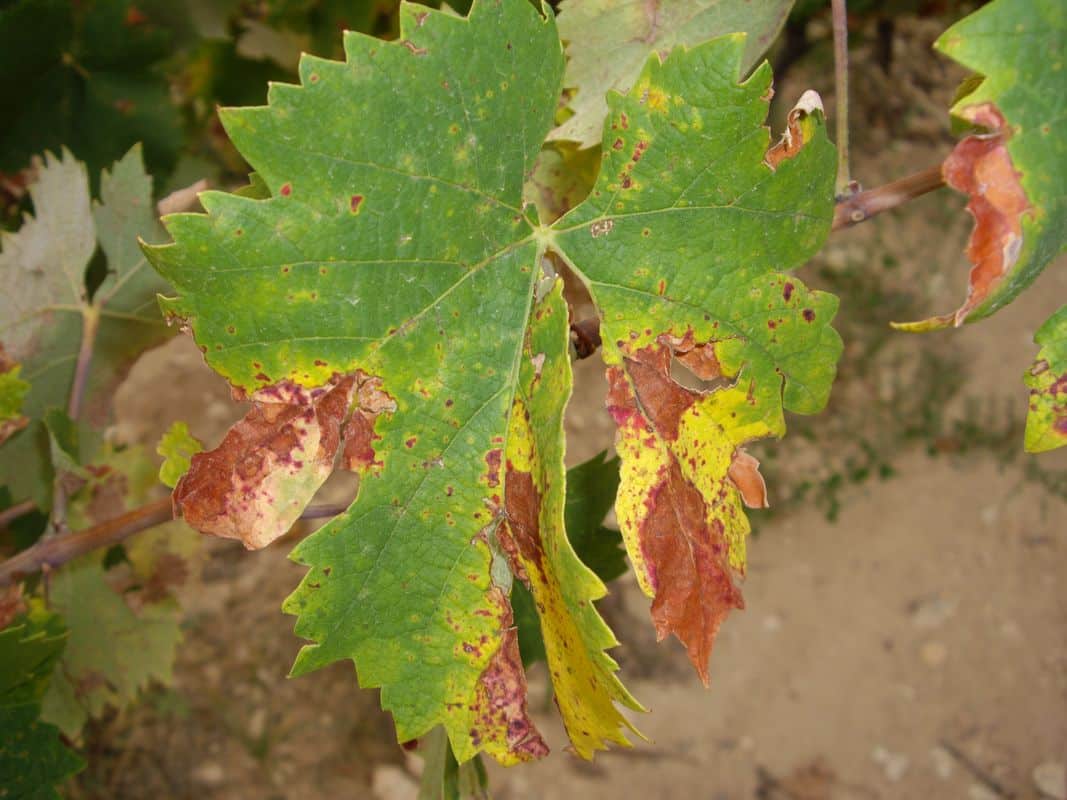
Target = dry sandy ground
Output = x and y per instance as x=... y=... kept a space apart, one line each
x=916 y=648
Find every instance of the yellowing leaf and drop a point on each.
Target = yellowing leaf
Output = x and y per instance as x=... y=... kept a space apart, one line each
x=533 y=537
x=177 y=447
x=1046 y=424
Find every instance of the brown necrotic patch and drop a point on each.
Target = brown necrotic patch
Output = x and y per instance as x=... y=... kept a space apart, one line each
x=981 y=167
x=358 y=454
x=695 y=589
x=500 y=702
x=678 y=529
x=256 y=483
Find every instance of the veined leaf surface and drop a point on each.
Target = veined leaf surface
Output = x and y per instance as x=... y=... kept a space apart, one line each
x=387 y=308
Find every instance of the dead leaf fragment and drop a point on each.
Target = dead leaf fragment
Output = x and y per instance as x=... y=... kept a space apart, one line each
x=981 y=167
x=797 y=130
x=745 y=475
x=683 y=480
x=255 y=485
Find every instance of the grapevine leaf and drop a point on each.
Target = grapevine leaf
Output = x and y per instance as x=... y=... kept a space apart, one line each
x=591 y=489
x=32 y=757
x=12 y=394
x=177 y=447
x=1046 y=424
x=45 y=307
x=31 y=647
x=381 y=226
x=705 y=238
x=123 y=621
x=113 y=651
x=1014 y=170
x=608 y=43
x=383 y=309
x=84 y=75
x=532 y=535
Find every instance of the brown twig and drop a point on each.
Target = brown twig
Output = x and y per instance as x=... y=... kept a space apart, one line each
x=976 y=771
x=60 y=549
x=9 y=515
x=840 y=23
x=853 y=209
x=52 y=552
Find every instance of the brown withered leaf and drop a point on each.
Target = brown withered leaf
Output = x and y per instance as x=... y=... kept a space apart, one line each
x=255 y=485
x=684 y=473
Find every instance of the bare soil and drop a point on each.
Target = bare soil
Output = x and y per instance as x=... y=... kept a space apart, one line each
x=914 y=648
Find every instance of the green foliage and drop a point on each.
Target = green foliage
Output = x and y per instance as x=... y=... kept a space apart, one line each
x=608 y=44
x=177 y=447
x=443 y=778
x=113 y=652
x=404 y=583
x=32 y=757
x=84 y=76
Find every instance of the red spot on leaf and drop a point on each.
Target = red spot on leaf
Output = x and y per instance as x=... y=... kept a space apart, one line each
x=492 y=462
x=787 y=291
x=809 y=315
x=355 y=202
x=286 y=190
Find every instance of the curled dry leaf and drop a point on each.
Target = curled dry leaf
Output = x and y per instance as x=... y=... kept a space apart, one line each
x=255 y=485
x=800 y=126
x=981 y=167
x=1015 y=167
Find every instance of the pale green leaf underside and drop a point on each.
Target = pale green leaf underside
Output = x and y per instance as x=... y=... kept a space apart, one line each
x=43 y=297
x=395 y=242
x=1020 y=47
x=112 y=654
x=609 y=42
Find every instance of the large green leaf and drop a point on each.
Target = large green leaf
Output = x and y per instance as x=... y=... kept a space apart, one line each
x=387 y=306
x=1046 y=424
x=45 y=305
x=608 y=42
x=1015 y=169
